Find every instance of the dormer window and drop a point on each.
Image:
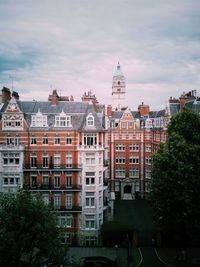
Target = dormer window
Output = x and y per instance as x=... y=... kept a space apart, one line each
x=39 y=120
x=90 y=120
x=148 y=123
x=62 y=120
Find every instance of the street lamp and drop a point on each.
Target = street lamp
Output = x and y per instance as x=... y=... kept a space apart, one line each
x=116 y=251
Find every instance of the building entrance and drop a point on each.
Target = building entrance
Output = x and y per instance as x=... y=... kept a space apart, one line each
x=127 y=189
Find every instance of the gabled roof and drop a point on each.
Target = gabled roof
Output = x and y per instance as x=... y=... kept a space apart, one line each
x=77 y=111
x=194 y=105
x=157 y=114
x=97 y=124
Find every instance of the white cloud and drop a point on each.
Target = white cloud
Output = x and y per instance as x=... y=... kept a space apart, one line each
x=75 y=45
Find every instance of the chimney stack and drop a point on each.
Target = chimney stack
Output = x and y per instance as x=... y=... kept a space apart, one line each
x=143 y=110
x=88 y=97
x=5 y=94
x=109 y=111
x=15 y=95
x=54 y=98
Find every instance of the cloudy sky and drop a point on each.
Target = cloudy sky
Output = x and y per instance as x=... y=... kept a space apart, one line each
x=75 y=45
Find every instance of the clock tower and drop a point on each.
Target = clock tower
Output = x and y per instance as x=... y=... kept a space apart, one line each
x=118 y=89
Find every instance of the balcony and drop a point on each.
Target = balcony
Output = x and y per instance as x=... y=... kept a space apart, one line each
x=51 y=167
x=48 y=187
x=66 y=209
x=91 y=147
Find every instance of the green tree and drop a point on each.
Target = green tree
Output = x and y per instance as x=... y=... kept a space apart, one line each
x=175 y=187
x=28 y=232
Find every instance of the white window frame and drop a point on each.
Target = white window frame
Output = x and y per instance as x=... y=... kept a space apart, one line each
x=33 y=141
x=134 y=160
x=45 y=161
x=57 y=201
x=11 y=159
x=45 y=180
x=134 y=173
x=120 y=173
x=90 y=120
x=33 y=180
x=90 y=178
x=120 y=159
x=11 y=179
x=90 y=158
x=57 y=160
x=68 y=201
x=90 y=139
x=148 y=174
x=134 y=147
x=148 y=147
x=63 y=120
x=33 y=161
x=89 y=221
x=45 y=140
x=68 y=140
x=39 y=120
x=124 y=124
x=57 y=180
x=120 y=147
x=69 y=160
x=69 y=180
x=57 y=140
x=148 y=160
x=90 y=199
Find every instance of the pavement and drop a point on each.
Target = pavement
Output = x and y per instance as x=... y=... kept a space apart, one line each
x=148 y=256
x=117 y=254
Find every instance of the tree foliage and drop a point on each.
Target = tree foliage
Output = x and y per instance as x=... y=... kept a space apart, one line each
x=175 y=188
x=28 y=232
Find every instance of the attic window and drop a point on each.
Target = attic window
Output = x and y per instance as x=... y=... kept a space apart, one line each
x=90 y=120
x=39 y=120
x=62 y=120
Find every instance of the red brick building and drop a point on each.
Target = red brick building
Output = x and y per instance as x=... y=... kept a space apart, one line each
x=69 y=150
x=57 y=148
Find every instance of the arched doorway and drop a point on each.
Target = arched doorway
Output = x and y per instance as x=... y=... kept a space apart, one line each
x=127 y=189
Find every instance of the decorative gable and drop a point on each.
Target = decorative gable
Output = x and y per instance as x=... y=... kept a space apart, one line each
x=12 y=118
x=127 y=115
x=12 y=106
x=127 y=121
x=63 y=120
x=39 y=120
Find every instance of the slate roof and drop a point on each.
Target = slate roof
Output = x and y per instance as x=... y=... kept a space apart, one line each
x=157 y=114
x=136 y=114
x=77 y=111
x=117 y=114
x=194 y=105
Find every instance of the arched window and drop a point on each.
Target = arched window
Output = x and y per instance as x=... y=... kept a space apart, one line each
x=90 y=120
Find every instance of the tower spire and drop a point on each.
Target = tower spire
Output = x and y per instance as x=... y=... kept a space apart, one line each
x=118 y=89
